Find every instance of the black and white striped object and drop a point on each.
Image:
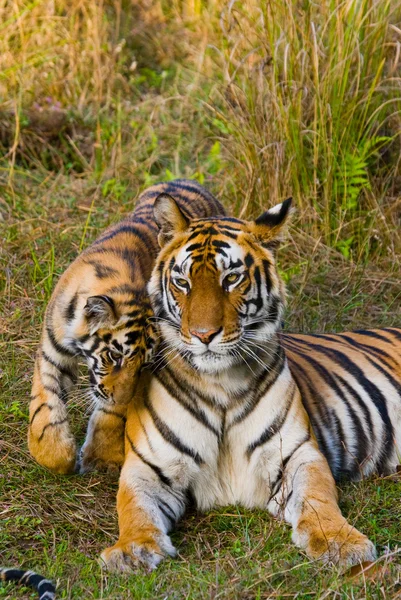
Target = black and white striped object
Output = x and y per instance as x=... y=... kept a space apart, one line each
x=45 y=588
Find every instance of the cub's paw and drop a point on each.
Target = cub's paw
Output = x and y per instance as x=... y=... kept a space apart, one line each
x=87 y=466
x=89 y=460
x=128 y=557
x=345 y=548
x=54 y=448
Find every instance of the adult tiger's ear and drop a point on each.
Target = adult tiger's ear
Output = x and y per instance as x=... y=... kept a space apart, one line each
x=169 y=218
x=269 y=228
x=100 y=312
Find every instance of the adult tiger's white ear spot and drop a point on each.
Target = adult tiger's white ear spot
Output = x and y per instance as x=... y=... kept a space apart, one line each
x=100 y=312
x=270 y=226
x=169 y=218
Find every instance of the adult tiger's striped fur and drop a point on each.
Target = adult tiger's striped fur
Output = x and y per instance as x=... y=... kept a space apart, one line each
x=351 y=388
x=100 y=310
x=45 y=588
x=222 y=420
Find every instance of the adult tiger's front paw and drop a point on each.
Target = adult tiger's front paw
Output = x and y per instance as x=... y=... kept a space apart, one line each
x=130 y=556
x=345 y=546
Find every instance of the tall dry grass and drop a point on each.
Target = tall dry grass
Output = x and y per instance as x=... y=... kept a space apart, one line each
x=304 y=99
x=312 y=105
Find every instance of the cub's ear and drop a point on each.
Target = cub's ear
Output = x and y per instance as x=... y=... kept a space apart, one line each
x=100 y=312
x=169 y=218
x=270 y=226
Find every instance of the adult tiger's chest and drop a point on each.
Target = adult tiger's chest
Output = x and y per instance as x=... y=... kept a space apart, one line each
x=230 y=478
x=222 y=451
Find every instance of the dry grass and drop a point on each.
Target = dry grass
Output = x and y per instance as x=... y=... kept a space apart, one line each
x=258 y=100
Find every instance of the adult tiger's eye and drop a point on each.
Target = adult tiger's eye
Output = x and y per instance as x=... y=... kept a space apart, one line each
x=181 y=282
x=231 y=278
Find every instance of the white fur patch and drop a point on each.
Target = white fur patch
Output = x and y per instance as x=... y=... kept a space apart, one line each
x=276 y=209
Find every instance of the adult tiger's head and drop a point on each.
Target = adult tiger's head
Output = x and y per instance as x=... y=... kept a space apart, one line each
x=215 y=288
x=116 y=337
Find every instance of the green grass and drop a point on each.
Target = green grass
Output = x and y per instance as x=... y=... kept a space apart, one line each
x=261 y=101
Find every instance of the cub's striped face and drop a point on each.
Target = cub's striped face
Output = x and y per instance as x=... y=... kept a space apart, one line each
x=117 y=340
x=215 y=287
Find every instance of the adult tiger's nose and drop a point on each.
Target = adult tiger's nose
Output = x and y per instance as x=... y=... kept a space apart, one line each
x=205 y=336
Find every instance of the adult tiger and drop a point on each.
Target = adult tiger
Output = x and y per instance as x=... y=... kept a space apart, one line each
x=100 y=310
x=222 y=419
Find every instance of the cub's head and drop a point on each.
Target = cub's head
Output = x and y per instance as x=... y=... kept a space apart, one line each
x=215 y=289
x=116 y=337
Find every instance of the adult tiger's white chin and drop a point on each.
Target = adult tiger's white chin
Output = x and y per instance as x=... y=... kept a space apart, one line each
x=211 y=362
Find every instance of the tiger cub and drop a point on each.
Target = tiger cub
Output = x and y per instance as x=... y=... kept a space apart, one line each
x=222 y=419
x=100 y=310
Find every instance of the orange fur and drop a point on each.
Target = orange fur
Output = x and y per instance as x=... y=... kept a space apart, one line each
x=225 y=424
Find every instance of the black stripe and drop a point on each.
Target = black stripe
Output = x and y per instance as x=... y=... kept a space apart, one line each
x=180 y=392
x=53 y=424
x=123 y=288
x=395 y=332
x=266 y=267
x=274 y=427
x=58 y=347
x=71 y=307
x=262 y=384
x=169 y=436
x=360 y=402
x=396 y=384
x=63 y=370
x=163 y=478
x=371 y=389
x=95 y=345
x=307 y=391
x=103 y=271
x=53 y=377
x=362 y=445
x=149 y=223
x=374 y=334
x=368 y=348
x=131 y=229
x=170 y=520
x=167 y=511
x=201 y=192
x=39 y=409
x=273 y=310
x=329 y=378
x=219 y=244
x=52 y=390
x=197 y=395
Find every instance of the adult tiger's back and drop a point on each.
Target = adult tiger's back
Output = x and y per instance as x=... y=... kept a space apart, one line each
x=100 y=310
x=350 y=385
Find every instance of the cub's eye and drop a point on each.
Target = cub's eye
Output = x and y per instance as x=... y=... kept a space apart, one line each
x=231 y=278
x=114 y=357
x=181 y=282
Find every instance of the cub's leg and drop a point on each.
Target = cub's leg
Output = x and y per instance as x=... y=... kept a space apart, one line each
x=309 y=498
x=148 y=508
x=104 y=444
x=49 y=437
